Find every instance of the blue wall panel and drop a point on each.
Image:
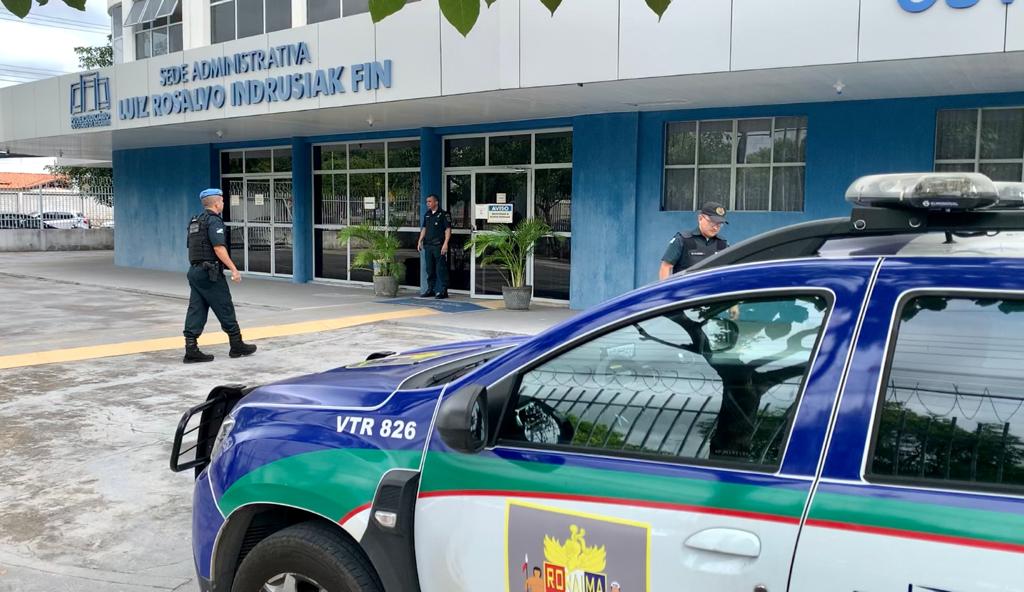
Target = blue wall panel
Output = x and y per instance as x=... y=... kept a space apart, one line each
x=604 y=201
x=157 y=192
x=302 y=211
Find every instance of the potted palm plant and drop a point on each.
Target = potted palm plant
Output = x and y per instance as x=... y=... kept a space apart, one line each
x=378 y=255
x=509 y=249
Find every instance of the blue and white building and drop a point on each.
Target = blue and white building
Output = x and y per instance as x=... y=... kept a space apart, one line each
x=607 y=123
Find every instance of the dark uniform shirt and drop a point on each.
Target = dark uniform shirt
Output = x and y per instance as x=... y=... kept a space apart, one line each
x=436 y=223
x=216 y=230
x=690 y=247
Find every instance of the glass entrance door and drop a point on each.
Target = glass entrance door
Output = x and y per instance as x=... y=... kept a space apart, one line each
x=500 y=199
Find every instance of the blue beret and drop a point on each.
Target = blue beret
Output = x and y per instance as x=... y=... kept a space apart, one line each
x=205 y=193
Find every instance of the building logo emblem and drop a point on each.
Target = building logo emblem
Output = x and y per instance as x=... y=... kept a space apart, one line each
x=581 y=552
x=90 y=101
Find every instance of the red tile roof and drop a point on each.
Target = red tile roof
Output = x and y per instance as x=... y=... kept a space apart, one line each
x=19 y=181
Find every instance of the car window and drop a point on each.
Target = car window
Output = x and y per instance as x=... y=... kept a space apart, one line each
x=714 y=382
x=952 y=408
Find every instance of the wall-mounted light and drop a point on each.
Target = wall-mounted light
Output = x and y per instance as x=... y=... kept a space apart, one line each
x=839 y=86
x=369 y=121
x=219 y=133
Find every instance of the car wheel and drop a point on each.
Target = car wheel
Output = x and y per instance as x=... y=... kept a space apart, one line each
x=307 y=557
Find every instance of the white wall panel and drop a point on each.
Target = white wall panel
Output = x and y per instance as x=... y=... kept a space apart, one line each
x=46 y=107
x=1015 y=26
x=195 y=28
x=486 y=59
x=887 y=32
x=242 y=46
x=692 y=37
x=153 y=78
x=411 y=39
x=132 y=80
x=192 y=56
x=344 y=42
x=289 y=37
x=23 y=103
x=578 y=44
x=785 y=33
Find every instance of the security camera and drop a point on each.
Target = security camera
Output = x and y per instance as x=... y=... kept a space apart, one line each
x=219 y=133
x=839 y=86
x=369 y=121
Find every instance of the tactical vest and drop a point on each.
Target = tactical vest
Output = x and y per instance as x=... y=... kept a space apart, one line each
x=199 y=246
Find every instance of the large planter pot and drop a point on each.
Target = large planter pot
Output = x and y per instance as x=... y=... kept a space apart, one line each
x=517 y=298
x=385 y=285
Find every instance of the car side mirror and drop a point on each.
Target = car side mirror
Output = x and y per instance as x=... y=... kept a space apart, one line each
x=462 y=420
x=720 y=334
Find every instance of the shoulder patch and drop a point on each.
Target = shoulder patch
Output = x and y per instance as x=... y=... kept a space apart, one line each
x=220 y=231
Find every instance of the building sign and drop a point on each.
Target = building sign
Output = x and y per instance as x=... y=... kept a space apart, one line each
x=90 y=101
x=923 y=5
x=499 y=213
x=252 y=91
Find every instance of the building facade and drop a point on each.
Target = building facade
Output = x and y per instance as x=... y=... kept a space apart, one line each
x=610 y=124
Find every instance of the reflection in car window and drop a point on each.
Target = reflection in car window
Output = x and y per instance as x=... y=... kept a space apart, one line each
x=714 y=382
x=953 y=408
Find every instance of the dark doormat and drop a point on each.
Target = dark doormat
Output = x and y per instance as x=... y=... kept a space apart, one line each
x=451 y=306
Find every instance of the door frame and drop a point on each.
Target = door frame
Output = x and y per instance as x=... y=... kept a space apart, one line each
x=511 y=170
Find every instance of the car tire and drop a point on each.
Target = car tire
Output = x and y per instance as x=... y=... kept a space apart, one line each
x=317 y=558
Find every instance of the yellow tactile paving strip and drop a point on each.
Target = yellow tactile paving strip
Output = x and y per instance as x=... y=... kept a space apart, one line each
x=215 y=337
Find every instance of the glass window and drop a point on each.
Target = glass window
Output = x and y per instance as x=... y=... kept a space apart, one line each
x=149 y=14
x=222 y=22
x=250 y=18
x=331 y=255
x=404 y=200
x=700 y=165
x=331 y=157
x=167 y=8
x=553 y=198
x=367 y=198
x=283 y=248
x=160 y=41
x=460 y=152
x=712 y=383
x=551 y=260
x=681 y=143
x=509 y=150
x=135 y=14
x=279 y=15
x=404 y=154
x=994 y=148
x=116 y=22
x=258 y=161
x=350 y=7
x=174 y=36
x=318 y=11
x=458 y=196
x=368 y=155
x=143 y=45
x=282 y=160
x=956 y=134
x=231 y=163
x=553 y=147
x=952 y=411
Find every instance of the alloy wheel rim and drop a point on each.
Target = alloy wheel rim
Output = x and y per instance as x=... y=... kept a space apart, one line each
x=291 y=582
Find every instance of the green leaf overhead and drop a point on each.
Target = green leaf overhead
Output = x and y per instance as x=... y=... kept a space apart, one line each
x=552 y=5
x=379 y=9
x=659 y=6
x=20 y=8
x=462 y=14
x=79 y=4
x=489 y=2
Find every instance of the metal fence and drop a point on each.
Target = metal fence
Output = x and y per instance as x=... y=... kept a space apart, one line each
x=58 y=208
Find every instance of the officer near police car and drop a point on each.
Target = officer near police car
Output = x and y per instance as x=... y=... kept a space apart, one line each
x=435 y=233
x=692 y=246
x=208 y=257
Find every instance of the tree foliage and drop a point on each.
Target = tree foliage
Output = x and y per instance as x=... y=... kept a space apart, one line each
x=510 y=248
x=379 y=249
x=95 y=56
x=463 y=14
x=21 y=8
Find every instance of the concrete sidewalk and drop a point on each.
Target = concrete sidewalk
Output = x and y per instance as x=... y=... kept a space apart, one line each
x=89 y=301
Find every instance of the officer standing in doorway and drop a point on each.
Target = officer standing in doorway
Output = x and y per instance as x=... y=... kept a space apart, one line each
x=435 y=233
x=208 y=256
x=691 y=246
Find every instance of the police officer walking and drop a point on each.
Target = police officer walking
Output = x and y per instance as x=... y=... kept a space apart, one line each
x=691 y=246
x=208 y=257
x=435 y=232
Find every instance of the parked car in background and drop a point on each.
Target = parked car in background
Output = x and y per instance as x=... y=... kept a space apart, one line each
x=9 y=221
x=62 y=220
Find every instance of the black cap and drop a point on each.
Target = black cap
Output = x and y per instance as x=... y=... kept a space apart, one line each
x=715 y=211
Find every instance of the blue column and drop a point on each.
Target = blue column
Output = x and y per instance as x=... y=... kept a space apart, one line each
x=430 y=177
x=302 y=211
x=604 y=199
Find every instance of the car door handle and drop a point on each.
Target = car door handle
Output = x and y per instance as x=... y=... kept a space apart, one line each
x=727 y=541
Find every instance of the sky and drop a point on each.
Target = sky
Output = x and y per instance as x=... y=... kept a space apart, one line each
x=42 y=45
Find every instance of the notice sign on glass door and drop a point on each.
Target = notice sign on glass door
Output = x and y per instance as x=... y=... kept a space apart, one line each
x=369 y=203
x=499 y=213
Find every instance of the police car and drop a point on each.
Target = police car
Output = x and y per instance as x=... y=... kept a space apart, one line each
x=838 y=405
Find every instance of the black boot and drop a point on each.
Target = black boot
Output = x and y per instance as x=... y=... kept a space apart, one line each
x=239 y=348
x=192 y=353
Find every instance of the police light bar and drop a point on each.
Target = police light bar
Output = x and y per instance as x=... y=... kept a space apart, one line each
x=924 y=191
x=1011 y=195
